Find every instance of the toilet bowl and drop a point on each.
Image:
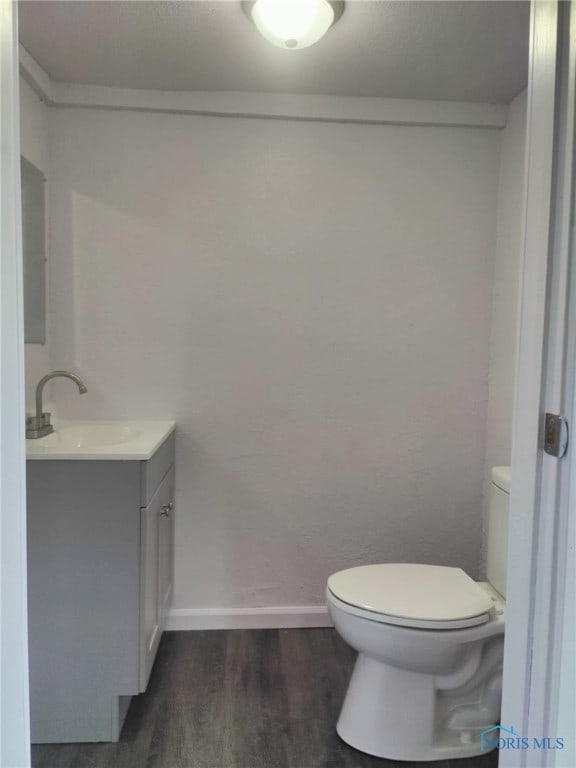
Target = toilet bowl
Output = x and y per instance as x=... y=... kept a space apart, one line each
x=428 y=676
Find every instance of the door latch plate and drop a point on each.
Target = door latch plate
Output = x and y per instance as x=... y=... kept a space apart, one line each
x=555 y=435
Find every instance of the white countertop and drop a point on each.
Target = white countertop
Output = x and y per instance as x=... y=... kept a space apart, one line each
x=117 y=440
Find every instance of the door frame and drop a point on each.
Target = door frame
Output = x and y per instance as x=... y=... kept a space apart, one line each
x=14 y=706
x=541 y=497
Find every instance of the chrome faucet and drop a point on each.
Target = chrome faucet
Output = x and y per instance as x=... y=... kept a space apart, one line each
x=39 y=425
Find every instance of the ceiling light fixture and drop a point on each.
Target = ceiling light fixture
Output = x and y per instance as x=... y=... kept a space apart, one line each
x=293 y=24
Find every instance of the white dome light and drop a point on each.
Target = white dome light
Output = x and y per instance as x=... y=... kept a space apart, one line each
x=293 y=23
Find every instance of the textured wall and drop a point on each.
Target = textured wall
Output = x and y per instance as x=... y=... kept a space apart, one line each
x=311 y=303
x=35 y=148
x=506 y=293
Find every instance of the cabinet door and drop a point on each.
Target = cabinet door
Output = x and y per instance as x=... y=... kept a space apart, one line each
x=165 y=559
x=154 y=523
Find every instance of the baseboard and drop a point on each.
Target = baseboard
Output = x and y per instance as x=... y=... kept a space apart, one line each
x=273 y=617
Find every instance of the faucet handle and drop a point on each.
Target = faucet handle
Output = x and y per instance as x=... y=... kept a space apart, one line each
x=38 y=426
x=39 y=421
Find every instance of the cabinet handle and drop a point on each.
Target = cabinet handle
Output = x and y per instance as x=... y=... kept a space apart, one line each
x=166 y=509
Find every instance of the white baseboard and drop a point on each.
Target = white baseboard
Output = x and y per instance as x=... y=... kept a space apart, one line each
x=273 y=617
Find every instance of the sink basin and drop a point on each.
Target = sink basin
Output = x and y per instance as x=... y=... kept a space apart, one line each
x=91 y=436
x=101 y=440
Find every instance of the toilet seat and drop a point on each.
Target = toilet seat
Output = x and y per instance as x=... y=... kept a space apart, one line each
x=411 y=595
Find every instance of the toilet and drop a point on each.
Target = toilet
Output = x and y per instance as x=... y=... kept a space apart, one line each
x=428 y=676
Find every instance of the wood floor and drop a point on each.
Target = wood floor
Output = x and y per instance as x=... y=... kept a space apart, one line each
x=237 y=699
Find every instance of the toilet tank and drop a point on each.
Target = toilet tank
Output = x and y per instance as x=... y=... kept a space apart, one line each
x=498 y=528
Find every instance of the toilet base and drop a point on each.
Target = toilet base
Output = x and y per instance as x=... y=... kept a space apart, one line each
x=390 y=713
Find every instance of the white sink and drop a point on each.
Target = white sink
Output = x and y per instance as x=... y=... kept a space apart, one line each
x=91 y=436
x=101 y=440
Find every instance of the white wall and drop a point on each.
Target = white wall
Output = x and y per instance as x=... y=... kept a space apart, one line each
x=506 y=285
x=506 y=294
x=34 y=147
x=311 y=303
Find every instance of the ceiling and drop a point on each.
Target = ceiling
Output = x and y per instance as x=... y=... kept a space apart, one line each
x=455 y=50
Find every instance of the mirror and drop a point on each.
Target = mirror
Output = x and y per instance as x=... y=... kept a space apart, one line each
x=34 y=252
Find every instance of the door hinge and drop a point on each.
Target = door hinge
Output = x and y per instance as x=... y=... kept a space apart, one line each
x=555 y=435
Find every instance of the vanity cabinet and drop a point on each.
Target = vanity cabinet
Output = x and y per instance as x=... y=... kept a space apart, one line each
x=100 y=564
x=156 y=527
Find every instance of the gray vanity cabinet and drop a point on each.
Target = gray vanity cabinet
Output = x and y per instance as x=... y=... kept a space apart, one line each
x=156 y=573
x=100 y=544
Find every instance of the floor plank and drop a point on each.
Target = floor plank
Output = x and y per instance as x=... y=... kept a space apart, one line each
x=238 y=699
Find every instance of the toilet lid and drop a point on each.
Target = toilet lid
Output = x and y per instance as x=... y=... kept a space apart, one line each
x=413 y=595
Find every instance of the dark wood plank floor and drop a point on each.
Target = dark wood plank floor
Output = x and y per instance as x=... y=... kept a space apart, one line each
x=238 y=699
